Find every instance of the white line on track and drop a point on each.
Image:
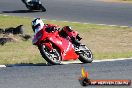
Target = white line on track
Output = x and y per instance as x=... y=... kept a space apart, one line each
x=77 y=62
x=83 y=22
x=105 y=60
x=123 y=26
x=2 y=66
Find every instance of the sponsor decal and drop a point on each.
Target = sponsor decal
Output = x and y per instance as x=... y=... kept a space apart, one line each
x=85 y=81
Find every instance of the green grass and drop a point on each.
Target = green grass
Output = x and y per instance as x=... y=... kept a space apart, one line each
x=104 y=41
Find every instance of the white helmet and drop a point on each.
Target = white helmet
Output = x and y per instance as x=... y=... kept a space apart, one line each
x=37 y=24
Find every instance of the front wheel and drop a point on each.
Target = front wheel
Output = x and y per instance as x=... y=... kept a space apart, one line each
x=85 y=54
x=51 y=56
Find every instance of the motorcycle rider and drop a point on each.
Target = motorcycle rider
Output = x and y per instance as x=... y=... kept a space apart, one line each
x=38 y=24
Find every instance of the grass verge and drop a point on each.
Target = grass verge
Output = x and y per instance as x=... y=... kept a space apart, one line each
x=106 y=42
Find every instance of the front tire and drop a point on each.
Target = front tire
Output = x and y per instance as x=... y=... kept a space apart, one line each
x=52 y=57
x=85 y=54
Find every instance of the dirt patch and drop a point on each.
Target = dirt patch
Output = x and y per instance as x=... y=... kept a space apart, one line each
x=12 y=34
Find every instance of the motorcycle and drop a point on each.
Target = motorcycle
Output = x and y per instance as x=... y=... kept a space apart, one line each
x=34 y=5
x=56 y=46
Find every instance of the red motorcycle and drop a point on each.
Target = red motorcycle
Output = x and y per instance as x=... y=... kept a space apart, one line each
x=56 y=46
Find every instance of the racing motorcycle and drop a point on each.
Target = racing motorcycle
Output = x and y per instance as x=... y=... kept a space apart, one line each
x=34 y=5
x=56 y=46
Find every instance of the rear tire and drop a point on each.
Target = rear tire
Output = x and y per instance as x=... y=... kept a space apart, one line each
x=53 y=57
x=85 y=55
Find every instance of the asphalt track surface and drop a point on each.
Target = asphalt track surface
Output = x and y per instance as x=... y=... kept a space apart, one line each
x=91 y=11
x=63 y=76
x=66 y=76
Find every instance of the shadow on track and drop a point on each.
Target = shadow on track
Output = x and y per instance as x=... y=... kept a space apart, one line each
x=28 y=64
x=21 y=11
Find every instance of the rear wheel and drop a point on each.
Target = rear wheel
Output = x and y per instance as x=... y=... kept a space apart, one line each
x=51 y=56
x=85 y=54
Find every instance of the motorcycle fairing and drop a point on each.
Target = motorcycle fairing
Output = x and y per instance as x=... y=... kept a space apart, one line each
x=38 y=37
x=65 y=46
